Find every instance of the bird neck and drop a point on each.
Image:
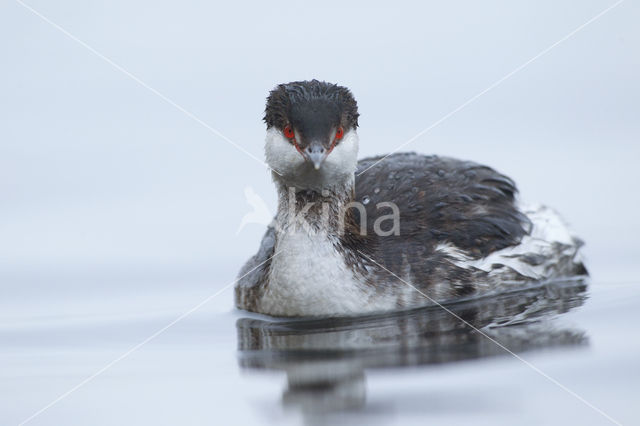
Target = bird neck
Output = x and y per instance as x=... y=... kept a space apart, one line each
x=324 y=211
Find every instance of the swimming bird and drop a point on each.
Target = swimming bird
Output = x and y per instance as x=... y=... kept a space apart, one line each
x=386 y=233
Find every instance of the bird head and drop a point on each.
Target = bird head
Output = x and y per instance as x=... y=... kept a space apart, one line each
x=311 y=133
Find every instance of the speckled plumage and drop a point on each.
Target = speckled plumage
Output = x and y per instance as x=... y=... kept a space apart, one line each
x=461 y=232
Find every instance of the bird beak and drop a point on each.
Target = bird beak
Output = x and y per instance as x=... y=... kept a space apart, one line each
x=316 y=153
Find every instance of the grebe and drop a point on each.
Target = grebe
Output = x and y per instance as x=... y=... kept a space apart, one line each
x=357 y=237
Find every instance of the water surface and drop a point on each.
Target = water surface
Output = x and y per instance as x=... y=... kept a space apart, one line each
x=410 y=367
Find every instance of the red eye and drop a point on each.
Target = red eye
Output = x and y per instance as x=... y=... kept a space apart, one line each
x=288 y=132
x=339 y=133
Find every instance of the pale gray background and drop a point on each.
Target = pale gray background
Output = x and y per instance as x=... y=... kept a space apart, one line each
x=114 y=203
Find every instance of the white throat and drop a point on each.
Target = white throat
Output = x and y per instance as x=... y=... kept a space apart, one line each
x=291 y=169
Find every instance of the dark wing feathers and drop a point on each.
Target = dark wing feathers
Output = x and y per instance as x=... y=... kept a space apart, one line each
x=441 y=200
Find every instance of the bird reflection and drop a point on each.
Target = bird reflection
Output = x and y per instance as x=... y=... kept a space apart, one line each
x=325 y=359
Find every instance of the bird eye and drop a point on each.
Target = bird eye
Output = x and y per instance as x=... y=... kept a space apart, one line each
x=339 y=133
x=288 y=132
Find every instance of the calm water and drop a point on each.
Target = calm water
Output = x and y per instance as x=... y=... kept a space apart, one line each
x=412 y=367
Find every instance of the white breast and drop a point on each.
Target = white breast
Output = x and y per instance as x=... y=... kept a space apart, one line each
x=310 y=277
